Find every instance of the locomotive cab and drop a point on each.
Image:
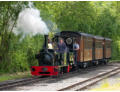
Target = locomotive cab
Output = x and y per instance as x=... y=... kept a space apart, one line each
x=69 y=39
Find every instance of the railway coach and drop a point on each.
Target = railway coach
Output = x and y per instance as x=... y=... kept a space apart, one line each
x=92 y=51
x=98 y=50
x=107 y=49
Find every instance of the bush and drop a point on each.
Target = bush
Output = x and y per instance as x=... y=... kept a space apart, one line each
x=21 y=55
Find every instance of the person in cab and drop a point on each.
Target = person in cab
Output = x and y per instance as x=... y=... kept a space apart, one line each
x=50 y=45
x=62 y=48
x=75 y=49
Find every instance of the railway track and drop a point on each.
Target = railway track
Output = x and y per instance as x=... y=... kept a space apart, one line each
x=26 y=81
x=21 y=82
x=88 y=82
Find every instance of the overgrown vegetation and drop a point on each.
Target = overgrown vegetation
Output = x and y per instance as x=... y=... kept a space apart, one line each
x=18 y=75
x=98 y=18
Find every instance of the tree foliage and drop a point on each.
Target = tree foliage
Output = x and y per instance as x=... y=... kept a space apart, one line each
x=94 y=17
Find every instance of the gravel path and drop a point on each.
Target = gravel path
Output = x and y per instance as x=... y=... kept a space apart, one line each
x=108 y=84
x=58 y=84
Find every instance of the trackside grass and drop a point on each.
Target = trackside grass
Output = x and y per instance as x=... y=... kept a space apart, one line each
x=18 y=75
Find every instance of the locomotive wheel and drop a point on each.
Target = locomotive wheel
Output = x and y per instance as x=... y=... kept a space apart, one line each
x=100 y=62
x=85 y=65
x=105 y=62
x=95 y=63
x=56 y=76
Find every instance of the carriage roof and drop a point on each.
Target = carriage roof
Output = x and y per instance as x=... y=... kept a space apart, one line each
x=73 y=34
x=108 y=39
x=99 y=37
x=81 y=34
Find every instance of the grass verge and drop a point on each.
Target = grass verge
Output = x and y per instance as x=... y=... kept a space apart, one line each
x=18 y=75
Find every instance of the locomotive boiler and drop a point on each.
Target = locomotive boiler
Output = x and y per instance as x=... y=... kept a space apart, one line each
x=45 y=56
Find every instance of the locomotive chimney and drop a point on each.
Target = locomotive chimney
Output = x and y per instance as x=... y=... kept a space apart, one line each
x=46 y=42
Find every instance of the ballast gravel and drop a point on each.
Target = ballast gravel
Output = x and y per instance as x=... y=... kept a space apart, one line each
x=59 y=84
x=109 y=84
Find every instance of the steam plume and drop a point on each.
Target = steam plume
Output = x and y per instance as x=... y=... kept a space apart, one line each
x=30 y=23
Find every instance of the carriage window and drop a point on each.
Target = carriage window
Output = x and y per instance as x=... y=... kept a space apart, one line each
x=98 y=45
x=108 y=45
x=88 y=44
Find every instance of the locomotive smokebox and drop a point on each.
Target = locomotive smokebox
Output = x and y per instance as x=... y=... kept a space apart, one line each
x=46 y=43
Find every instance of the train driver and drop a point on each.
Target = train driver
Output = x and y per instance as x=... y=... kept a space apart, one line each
x=62 y=48
x=75 y=48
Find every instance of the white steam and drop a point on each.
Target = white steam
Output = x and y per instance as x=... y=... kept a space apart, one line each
x=30 y=23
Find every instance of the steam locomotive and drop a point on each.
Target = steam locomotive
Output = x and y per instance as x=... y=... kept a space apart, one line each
x=93 y=50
